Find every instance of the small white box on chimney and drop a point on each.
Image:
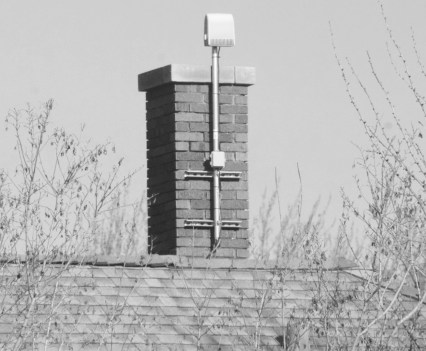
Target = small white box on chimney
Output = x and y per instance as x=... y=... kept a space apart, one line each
x=217 y=159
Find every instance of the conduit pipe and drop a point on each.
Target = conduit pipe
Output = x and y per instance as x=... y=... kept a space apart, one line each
x=215 y=155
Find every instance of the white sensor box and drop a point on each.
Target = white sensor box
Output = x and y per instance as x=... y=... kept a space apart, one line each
x=217 y=159
x=219 y=29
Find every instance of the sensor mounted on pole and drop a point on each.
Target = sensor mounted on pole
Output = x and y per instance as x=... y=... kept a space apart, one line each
x=219 y=30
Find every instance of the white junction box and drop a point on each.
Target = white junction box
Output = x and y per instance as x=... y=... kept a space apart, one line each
x=217 y=159
x=219 y=29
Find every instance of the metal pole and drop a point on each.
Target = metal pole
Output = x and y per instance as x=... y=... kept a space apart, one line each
x=215 y=97
x=215 y=107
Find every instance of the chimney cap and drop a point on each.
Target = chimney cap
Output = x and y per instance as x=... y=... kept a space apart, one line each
x=180 y=73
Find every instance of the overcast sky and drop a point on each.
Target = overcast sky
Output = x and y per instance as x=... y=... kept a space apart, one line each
x=86 y=55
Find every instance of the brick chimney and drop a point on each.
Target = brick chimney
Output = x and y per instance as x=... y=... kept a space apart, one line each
x=179 y=142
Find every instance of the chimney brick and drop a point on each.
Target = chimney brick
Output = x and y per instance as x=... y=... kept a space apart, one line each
x=179 y=138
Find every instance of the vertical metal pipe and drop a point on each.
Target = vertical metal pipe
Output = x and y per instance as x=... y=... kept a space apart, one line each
x=216 y=204
x=215 y=108
x=215 y=97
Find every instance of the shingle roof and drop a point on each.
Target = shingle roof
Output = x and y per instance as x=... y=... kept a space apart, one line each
x=168 y=303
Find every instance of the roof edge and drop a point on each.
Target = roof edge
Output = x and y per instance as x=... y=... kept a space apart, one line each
x=154 y=261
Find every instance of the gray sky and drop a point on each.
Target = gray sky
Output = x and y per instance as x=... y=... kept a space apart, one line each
x=86 y=56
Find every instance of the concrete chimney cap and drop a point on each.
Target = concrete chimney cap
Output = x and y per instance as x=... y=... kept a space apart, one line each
x=180 y=73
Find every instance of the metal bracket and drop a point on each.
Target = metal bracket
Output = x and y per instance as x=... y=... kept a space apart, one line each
x=208 y=223
x=231 y=224
x=224 y=175
x=198 y=223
